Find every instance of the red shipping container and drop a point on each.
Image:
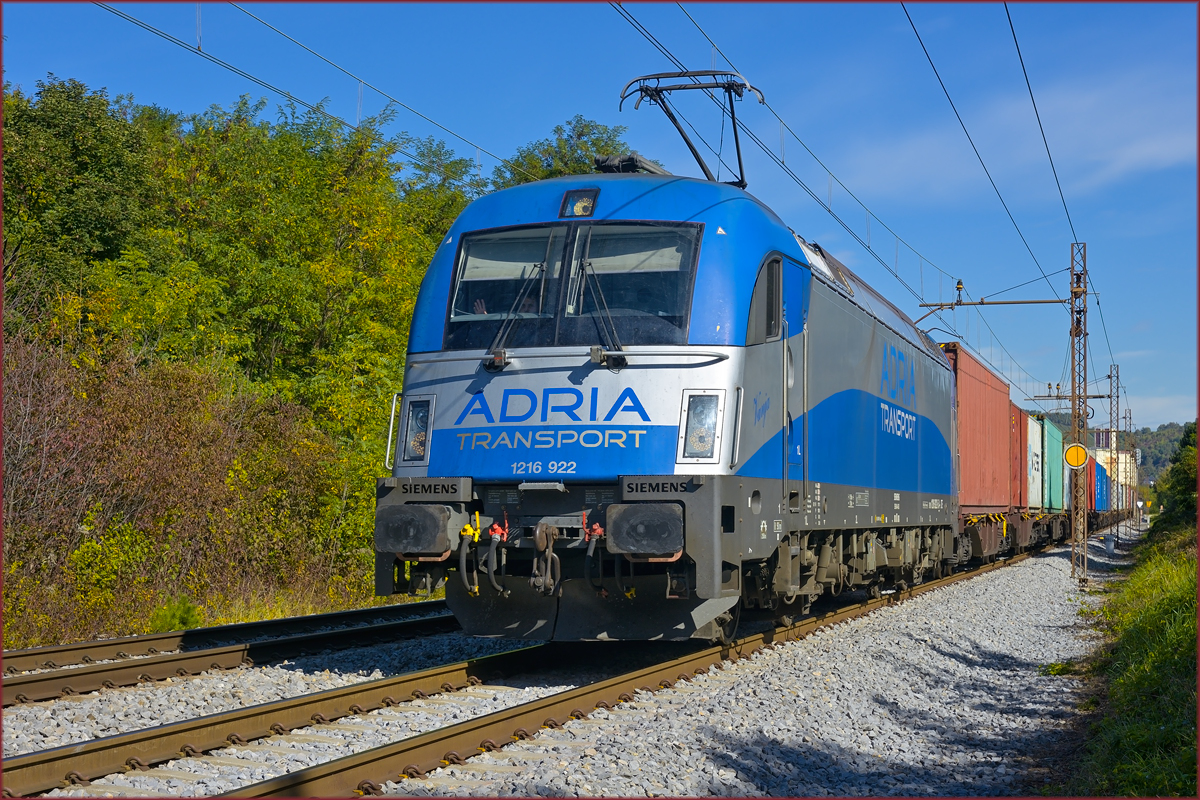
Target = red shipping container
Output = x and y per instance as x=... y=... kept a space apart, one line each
x=1018 y=451
x=983 y=431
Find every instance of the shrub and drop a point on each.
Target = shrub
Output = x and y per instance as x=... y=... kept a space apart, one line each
x=179 y=614
x=127 y=486
x=1145 y=744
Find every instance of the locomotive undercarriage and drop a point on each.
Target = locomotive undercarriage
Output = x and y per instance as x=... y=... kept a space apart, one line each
x=546 y=560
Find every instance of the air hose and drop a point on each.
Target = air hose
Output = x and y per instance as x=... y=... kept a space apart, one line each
x=632 y=590
x=554 y=567
x=467 y=535
x=587 y=565
x=464 y=544
x=491 y=567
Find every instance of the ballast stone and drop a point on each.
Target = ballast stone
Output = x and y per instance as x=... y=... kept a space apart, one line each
x=938 y=696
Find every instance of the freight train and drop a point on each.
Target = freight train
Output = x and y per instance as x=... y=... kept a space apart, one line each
x=637 y=404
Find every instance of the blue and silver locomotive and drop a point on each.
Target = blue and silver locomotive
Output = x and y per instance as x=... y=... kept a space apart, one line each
x=637 y=404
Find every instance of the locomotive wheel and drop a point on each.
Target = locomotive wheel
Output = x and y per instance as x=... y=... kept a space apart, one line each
x=727 y=632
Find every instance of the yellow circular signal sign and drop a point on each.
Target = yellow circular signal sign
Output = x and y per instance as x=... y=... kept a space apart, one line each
x=1076 y=456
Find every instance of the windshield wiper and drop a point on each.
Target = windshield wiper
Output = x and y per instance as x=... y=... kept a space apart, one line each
x=608 y=325
x=497 y=359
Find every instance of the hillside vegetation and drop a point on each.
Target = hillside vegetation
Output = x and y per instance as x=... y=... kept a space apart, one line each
x=1145 y=742
x=204 y=320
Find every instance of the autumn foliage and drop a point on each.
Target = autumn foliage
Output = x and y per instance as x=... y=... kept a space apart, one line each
x=205 y=318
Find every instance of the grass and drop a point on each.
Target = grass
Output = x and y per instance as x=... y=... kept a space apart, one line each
x=158 y=613
x=1057 y=668
x=1144 y=743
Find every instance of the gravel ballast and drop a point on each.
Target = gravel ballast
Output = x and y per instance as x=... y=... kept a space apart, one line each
x=939 y=695
x=40 y=726
x=233 y=767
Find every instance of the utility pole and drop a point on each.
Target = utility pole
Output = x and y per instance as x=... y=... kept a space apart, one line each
x=1133 y=471
x=1078 y=399
x=1114 y=420
x=1079 y=396
x=1079 y=407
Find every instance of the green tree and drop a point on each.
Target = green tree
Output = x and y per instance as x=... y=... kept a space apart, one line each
x=571 y=150
x=77 y=187
x=436 y=185
x=221 y=305
x=1176 y=488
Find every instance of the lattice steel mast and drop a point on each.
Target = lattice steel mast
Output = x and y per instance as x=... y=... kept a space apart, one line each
x=1079 y=407
x=1114 y=421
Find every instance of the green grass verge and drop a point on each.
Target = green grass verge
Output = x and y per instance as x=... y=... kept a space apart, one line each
x=1145 y=742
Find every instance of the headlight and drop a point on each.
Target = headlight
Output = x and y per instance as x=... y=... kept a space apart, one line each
x=416 y=431
x=700 y=437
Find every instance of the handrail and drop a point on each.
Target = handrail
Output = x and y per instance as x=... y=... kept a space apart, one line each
x=387 y=459
x=787 y=444
x=626 y=353
x=665 y=353
x=737 y=430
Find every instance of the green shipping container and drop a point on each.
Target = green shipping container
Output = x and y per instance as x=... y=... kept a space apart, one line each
x=1052 y=468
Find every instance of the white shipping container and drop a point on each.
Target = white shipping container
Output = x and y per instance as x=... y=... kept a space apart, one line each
x=1033 y=462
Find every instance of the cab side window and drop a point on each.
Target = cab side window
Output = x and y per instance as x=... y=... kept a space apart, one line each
x=765 y=307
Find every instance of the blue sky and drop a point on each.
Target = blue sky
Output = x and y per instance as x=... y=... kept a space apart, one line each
x=1115 y=85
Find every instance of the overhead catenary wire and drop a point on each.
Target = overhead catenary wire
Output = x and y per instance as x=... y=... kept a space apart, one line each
x=369 y=85
x=1029 y=86
x=313 y=107
x=767 y=150
x=779 y=162
x=770 y=154
x=987 y=172
x=1053 y=168
x=1103 y=325
x=832 y=177
x=1026 y=283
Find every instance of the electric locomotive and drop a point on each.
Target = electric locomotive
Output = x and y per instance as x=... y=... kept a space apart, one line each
x=636 y=403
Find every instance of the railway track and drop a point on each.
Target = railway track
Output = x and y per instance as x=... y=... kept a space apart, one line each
x=366 y=771
x=137 y=659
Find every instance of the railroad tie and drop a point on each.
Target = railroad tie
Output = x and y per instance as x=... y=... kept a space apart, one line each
x=110 y=790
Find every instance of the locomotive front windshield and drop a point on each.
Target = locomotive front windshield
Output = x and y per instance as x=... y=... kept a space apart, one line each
x=625 y=282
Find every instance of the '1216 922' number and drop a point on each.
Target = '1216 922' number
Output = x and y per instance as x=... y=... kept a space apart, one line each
x=535 y=467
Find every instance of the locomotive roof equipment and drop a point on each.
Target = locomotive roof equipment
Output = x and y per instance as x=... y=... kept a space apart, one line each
x=651 y=88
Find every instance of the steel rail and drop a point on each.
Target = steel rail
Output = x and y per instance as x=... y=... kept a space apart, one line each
x=78 y=763
x=44 y=770
x=49 y=685
x=129 y=646
x=366 y=771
